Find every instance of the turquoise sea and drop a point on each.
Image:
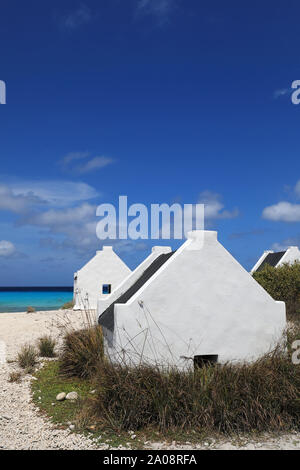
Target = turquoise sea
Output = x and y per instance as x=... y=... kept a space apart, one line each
x=17 y=299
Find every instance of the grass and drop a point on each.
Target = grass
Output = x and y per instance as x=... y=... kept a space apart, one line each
x=263 y=396
x=15 y=376
x=27 y=357
x=82 y=352
x=30 y=309
x=49 y=384
x=46 y=346
x=68 y=305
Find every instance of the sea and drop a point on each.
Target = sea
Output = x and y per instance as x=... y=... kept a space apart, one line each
x=18 y=299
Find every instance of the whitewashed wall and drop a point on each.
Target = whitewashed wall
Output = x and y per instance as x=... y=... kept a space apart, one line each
x=104 y=268
x=106 y=301
x=292 y=254
x=201 y=301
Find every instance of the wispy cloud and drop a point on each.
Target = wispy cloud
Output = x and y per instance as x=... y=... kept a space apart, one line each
x=238 y=235
x=283 y=245
x=20 y=196
x=76 y=18
x=214 y=207
x=160 y=10
x=281 y=92
x=73 y=162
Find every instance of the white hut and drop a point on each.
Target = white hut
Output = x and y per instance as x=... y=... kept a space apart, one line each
x=195 y=304
x=276 y=259
x=98 y=278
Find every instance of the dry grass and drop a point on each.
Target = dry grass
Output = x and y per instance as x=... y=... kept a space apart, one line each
x=30 y=309
x=15 y=376
x=82 y=352
x=46 y=346
x=68 y=305
x=263 y=396
x=27 y=357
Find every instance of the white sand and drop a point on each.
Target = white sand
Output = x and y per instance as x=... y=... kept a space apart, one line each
x=17 y=329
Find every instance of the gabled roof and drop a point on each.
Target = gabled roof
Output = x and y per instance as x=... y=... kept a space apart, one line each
x=272 y=259
x=107 y=317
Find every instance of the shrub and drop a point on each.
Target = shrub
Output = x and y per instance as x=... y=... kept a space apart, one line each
x=68 y=305
x=46 y=346
x=27 y=357
x=30 y=309
x=82 y=352
x=263 y=396
x=282 y=283
x=15 y=376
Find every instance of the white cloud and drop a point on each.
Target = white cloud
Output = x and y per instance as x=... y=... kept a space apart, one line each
x=282 y=212
x=62 y=220
x=77 y=18
x=92 y=164
x=7 y=249
x=13 y=201
x=76 y=225
x=22 y=195
x=214 y=207
x=160 y=9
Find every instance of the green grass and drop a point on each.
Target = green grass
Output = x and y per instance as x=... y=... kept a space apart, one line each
x=49 y=384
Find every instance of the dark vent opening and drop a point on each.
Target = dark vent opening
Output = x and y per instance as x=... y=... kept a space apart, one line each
x=206 y=360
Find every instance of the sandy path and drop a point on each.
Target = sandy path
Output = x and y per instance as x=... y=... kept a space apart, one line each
x=17 y=329
x=22 y=427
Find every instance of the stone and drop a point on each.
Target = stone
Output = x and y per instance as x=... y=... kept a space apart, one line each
x=61 y=396
x=72 y=396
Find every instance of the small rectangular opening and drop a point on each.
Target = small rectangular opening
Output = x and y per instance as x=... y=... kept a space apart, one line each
x=206 y=360
x=106 y=289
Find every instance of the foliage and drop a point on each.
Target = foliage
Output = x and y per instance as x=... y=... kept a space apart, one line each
x=282 y=283
x=27 y=357
x=46 y=346
x=82 y=352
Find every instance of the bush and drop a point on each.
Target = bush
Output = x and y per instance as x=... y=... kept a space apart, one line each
x=82 y=352
x=27 y=357
x=15 y=376
x=30 y=309
x=263 y=396
x=282 y=283
x=68 y=305
x=46 y=346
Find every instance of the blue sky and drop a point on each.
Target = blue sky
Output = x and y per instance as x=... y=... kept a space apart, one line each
x=160 y=100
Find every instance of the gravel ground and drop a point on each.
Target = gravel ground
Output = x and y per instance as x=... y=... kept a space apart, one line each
x=23 y=427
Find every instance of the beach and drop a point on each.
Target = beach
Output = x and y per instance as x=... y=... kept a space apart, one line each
x=17 y=329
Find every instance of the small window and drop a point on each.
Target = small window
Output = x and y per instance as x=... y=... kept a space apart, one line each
x=207 y=360
x=106 y=288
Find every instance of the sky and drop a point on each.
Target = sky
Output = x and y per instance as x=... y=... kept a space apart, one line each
x=164 y=101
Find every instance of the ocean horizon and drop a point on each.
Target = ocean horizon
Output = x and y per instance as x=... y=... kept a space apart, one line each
x=19 y=298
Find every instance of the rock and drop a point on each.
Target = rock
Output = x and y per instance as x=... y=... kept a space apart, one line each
x=61 y=396
x=133 y=436
x=72 y=396
x=72 y=427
